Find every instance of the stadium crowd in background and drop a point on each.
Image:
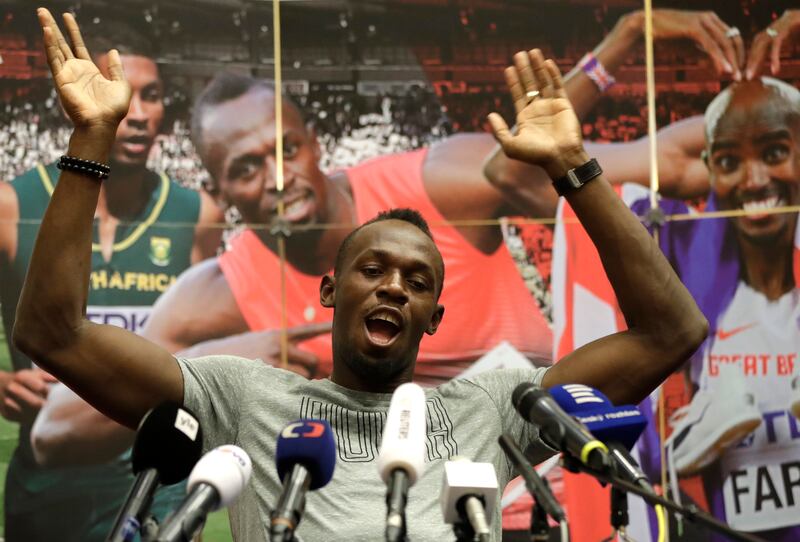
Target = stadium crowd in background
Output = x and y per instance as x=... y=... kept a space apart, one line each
x=350 y=128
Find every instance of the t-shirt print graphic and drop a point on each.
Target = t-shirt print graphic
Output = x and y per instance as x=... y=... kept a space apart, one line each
x=358 y=432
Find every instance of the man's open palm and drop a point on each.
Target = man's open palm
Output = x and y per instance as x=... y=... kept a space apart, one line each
x=90 y=100
x=547 y=127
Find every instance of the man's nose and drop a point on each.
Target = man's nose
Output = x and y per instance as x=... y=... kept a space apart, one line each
x=136 y=113
x=393 y=287
x=756 y=174
x=271 y=183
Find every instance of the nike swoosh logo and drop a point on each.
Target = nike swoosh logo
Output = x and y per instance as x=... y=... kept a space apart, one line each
x=679 y=438
x=722 y=334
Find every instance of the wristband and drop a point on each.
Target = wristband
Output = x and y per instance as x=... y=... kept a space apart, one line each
x=577 y=177
x=595 y=70
x=85 y=167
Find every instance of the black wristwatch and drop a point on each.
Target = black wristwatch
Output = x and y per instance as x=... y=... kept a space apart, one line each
x=577 y=177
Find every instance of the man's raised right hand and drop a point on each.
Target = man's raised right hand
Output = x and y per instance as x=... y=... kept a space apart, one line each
x=548 y=132
x=91 y=101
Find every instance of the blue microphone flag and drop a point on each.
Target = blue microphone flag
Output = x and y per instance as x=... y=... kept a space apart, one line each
x=608 y=423
x=307 y=442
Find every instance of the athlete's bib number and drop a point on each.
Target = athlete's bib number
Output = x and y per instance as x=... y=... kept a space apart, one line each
x=764 y=496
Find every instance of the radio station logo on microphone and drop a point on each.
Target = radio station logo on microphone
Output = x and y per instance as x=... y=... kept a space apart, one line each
x=237 y=453
x=303 y=430
x=187 y=424
x=582 y=394
x=405 y=418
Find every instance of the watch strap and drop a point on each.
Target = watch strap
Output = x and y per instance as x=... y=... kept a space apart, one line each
x=577 y=177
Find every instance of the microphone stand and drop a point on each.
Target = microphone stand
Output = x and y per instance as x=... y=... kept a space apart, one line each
x=463 y=531
x=396 y=500
x=540 y=527
x=690 y=512
x=544 y=502
x=619 y=515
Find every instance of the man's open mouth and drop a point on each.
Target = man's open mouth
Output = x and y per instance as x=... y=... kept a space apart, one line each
x=383 y=326
x=297 y=206
x=758 y=209
x=136 y=144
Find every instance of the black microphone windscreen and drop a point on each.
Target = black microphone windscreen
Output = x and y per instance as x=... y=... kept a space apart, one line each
x=169 y=440
x=525 y=395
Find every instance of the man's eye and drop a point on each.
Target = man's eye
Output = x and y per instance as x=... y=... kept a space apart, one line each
x=775 y=154
x=243 y=171
x=371 y=271
x=151 y=95
x=418 y=285
x=290 y=150
x=418 y=282
x=726 y=162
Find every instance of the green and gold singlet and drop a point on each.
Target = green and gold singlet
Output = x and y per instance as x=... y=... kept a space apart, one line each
x=148 y=255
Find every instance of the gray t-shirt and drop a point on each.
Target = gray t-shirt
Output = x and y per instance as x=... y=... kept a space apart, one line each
x=247 y=403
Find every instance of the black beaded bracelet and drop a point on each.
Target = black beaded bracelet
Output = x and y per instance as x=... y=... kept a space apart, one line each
x=86 y=167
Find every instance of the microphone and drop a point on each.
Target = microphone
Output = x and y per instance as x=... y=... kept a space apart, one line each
x=469 y=493
x=305 y=458
x=167 y=445
x=401 y=460
x=558 y=429
x=216 y=481
x=626 y=466
x=619 y=427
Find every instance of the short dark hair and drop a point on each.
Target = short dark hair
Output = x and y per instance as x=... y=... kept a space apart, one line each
x=115 y=34
x=411 y=216
x=224 y=87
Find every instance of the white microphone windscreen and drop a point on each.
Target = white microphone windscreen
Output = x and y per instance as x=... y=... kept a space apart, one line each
x=226 y=468
x=464 y=477
x=403 y=443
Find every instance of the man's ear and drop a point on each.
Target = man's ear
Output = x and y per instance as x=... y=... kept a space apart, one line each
x=327 y=291
x=436 y=319
x=312 y=136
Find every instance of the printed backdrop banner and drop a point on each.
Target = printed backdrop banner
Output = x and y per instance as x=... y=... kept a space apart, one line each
x=386 y=106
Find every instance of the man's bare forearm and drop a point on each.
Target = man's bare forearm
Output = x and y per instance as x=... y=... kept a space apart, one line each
x=649 y=293
x=118 y=373
x=50 y=311
x=665 y=326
